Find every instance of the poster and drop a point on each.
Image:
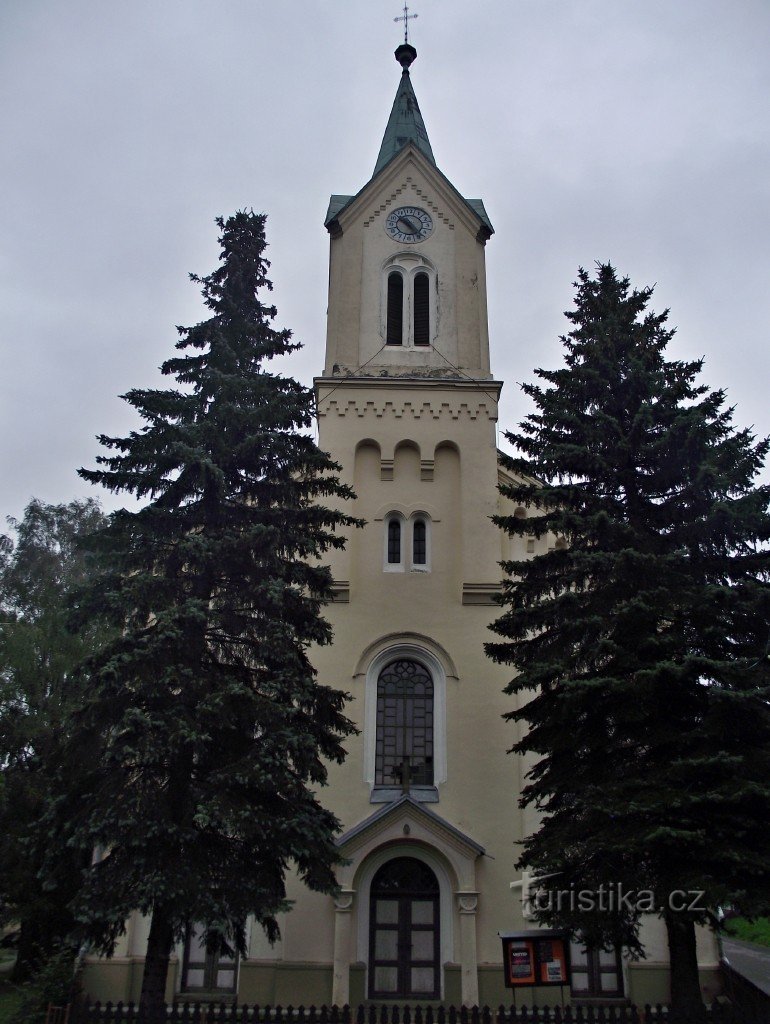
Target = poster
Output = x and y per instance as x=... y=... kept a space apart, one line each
x=535 y=958
x=521 y=963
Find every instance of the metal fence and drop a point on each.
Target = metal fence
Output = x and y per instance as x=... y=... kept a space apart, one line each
x=232 y=1013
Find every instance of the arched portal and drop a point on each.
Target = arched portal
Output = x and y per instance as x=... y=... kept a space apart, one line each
x=404 y=932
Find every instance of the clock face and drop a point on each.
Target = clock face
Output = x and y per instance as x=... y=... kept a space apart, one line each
x=409 y=224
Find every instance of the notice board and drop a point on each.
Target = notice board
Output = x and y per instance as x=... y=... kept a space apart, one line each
x=535 y=958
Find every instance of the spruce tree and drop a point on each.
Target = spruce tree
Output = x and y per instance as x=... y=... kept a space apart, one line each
x=205 y=729
x=640 y=642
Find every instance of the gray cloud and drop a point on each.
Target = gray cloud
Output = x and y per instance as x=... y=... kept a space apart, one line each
x=592 y=129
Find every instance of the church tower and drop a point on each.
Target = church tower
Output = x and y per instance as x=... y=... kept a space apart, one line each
x=407 y=405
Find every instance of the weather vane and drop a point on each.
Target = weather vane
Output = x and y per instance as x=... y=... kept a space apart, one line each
x=406 y=17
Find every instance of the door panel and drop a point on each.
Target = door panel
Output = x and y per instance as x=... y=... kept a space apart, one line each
x=404 y=931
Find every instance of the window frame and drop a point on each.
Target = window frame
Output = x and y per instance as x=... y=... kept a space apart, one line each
x=407 y=524
x=395 y=272
x=429 y=661
x=400 y=565
x=593 y=971
x=209 y=966
x=424 y=518
x=405 y=722
x=409 y=265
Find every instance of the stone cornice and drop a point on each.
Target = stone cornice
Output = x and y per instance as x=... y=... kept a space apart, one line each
x=385 y=383
x=408 y=399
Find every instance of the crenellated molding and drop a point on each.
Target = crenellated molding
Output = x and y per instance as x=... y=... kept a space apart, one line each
x=411 y=410
x=407 y=185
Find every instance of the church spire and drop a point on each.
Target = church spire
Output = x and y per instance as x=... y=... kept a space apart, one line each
x=405 y=123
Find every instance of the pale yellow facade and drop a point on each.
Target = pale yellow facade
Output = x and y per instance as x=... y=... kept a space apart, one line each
x=413 y=427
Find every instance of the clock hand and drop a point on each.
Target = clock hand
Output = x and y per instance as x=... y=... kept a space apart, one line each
x=413 y=226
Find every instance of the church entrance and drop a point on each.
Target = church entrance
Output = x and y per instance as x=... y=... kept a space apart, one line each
x=404 y=931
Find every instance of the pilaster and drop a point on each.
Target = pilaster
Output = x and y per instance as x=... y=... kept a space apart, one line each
x=343 y=910
x=467 y=905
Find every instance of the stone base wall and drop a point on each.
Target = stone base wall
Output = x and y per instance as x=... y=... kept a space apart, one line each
x=120 y=978
x=282 y=983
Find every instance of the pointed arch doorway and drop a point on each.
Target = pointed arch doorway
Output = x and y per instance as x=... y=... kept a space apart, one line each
x=404 y=932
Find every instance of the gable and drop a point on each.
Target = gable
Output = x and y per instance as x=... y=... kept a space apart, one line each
x=386 y=186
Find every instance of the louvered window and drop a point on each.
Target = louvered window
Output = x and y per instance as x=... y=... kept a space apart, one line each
x=395 y=326
x=422 y=309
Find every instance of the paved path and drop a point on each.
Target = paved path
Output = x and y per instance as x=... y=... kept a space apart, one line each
x=750 y=960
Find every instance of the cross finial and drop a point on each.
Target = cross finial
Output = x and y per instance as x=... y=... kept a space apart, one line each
x=403 y=773
x=406 y=17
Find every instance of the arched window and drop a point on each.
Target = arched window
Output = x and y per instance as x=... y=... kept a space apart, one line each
x=421 y=334
x=395 y=319
x=404 y=934
x=419 y=543
x=404 y=737
x=409 y=301
x=394 y=541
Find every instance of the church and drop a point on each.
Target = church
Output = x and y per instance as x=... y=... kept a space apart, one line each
x=428 y=797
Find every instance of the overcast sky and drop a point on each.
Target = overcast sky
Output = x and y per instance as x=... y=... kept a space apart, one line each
x=634 y=131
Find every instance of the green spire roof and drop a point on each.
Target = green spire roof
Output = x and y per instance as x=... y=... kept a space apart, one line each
x=405 y=123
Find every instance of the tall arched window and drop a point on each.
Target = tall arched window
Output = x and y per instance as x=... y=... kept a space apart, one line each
x=395 y=324
x=421 y=309
x=419 y=543
x=404 y=738
x=394 y=541
x=409 y=301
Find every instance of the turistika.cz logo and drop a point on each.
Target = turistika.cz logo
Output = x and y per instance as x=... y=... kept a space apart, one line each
x=611 y=898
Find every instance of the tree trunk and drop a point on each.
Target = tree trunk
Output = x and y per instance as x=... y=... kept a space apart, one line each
x=159 y=945
x=686 y=998
x=27 y=952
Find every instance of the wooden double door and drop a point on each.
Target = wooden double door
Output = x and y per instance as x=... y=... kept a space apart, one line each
x=404 y=933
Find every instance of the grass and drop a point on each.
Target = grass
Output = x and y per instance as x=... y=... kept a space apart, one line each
x=749 y=931
x=10 y=1000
